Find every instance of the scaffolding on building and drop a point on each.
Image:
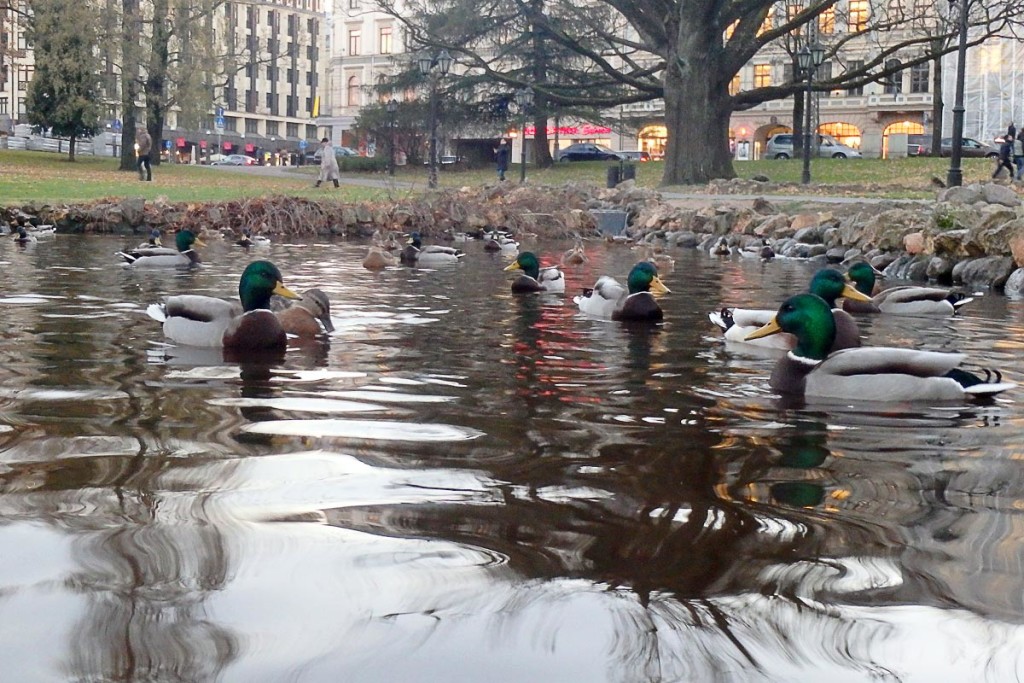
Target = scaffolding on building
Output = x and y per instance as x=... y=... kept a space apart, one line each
x=993 y=89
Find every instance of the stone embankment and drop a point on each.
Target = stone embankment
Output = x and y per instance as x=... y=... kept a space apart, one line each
x=971 y=236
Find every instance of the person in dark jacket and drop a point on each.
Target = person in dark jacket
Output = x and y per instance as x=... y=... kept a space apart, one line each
x=502 y=156
x=1005 y=151
x=144 y=143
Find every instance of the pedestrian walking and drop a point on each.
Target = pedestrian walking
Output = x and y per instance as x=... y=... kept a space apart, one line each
x=502 y=155
x=1018 y=154
x=1005 y=151
x=328 y=164
x=144 y=143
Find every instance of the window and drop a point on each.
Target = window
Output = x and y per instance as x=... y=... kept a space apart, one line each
x=824 y=73
x=311 y=53
x=250 y=16
x=250 y=101
x=311 y=79
x=291 y=76
x=384 y=45
x=858 y=20
x=25 y=74
x=762 y=75
x=252 y=126
x=845 y=133
x=291 y=130
x=919 y=78
x=249 y=68
x=355 y=37
x=291 y=25
x=788 y=71
x=270 y=18
x=272 y=103
x=352 y=91
x=271 y=73
x=894 y=82
x=23 y=42
x=855 y=65
x=272 y=128
x=3 y=105
x=792 y=10
x=827 y=22
x=310 y=131
x=734 y=85
x=311 y=26
x=353 y=4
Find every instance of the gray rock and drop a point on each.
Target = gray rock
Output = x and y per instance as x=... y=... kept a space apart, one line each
x=686 y=240
x=818 y=250
x=961 y=195
x=835 y=255
x=1015 y=283
x=1000 y=194
x=918 y=268
x=940 y=269
x=852 y=255
x=988 y=271
x=809 y=235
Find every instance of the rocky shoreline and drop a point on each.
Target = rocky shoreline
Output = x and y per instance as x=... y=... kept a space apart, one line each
x=971 y=236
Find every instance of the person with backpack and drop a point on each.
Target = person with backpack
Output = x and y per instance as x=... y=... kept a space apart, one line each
x=1018 y=154
x=1005 y=150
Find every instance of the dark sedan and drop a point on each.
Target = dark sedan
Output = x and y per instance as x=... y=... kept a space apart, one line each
x=587 y=151
x=921 y=145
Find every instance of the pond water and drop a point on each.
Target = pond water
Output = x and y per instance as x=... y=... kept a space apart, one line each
x=467 y=485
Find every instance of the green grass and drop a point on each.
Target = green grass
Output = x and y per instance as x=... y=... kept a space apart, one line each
x=47 y=177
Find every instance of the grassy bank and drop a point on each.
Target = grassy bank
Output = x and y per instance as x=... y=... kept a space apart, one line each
x=48 y=177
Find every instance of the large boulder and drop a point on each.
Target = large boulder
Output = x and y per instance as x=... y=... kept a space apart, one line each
x=992 y=236
x=1000 y=194
x=972 y=194
x=988 y=271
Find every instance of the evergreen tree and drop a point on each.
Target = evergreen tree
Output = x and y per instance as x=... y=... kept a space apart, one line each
x=64 y=94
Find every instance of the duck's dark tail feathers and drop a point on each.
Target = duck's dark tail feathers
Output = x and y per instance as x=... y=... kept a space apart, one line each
x=991 y=384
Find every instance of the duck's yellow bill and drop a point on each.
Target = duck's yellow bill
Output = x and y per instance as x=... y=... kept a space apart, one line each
x=658 y=287
x=513 y=266
x=765 y=331
x=281 y=290
x=198 y=243
x=851 y=292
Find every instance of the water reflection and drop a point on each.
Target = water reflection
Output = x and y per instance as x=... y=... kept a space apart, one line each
x=466 y=484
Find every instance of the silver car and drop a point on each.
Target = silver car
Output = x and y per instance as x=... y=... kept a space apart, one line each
x=781 y=147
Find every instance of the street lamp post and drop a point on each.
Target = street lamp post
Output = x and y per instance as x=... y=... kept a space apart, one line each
x=955 y=176
x=392 y=107
x=524 y=98
x=434 y=66
x=809 y=58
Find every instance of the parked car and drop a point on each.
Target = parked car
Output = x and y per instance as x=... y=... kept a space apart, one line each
x=921 y=145
x=780 y=146
x=587 y=151
x=235 y=160
x=217 y=159
x=634 y=155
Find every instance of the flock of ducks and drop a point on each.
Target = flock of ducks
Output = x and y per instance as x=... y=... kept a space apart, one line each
x=822 y=358
x=817 y=338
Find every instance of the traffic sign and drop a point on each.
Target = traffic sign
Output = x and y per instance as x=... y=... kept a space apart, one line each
x=218 y=123
x=116 y=125
x=303 y=144
x=220 y=113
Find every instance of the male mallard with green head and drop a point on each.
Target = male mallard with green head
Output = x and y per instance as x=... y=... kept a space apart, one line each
x=207 y=321
x=865 y=374
x=904 y=300
x=609 y=299
x=182 y=256
x=533 y=277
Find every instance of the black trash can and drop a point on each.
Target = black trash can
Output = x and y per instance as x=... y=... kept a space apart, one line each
x=629 y=172
x=613 y=176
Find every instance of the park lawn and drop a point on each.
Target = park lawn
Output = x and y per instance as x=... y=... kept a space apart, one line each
x=48 y=177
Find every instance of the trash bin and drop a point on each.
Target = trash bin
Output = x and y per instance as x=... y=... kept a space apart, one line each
x=629 y=172
x=613 y=176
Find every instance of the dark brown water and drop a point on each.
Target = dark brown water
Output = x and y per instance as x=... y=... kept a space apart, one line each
x=470 y=486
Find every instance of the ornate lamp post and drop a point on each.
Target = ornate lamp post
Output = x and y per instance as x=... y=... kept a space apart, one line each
x=809 y=58
x=524 y=98
x=391 y=107
x=955 y=176
x=434 y=66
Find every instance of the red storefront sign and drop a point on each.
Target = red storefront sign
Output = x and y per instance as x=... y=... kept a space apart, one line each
x=585 y=129
x=182 y=143
x=249 y=147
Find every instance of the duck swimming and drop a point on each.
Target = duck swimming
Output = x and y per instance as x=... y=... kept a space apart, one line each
x=207 y=321
x=828 y=283
x=415 y=253
x=533 y=277
x=610 y=300
x=903 y=300
x=183 y=256
x=889 y=374
x=308 y=317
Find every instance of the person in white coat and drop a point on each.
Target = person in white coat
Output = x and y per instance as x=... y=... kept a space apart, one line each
x=328 y=164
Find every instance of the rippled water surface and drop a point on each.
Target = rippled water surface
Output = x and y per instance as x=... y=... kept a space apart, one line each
x=465 y=485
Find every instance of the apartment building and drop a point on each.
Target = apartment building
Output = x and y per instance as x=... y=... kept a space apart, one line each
x=270 y=100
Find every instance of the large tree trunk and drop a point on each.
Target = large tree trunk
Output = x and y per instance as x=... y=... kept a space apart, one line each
x=129 y=84
x=71 y=148
x=697 y=118
x=541 y=151
x=156 y=78
x=937 y=107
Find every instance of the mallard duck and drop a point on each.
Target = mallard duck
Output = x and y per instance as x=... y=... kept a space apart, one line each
x=248 y=240
x=417 y=254
x=609 y=299
x=23 y=236
x=152 y=243
x=721 y=248
x=904 y=300
x=500 y=241
x=184 y=256
x=877 y=373
x=193 y=320
x=42 y=231
x=575 y=256
x=534 y=278
x=828 y=283
x=308 y=317
x=377 y=259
